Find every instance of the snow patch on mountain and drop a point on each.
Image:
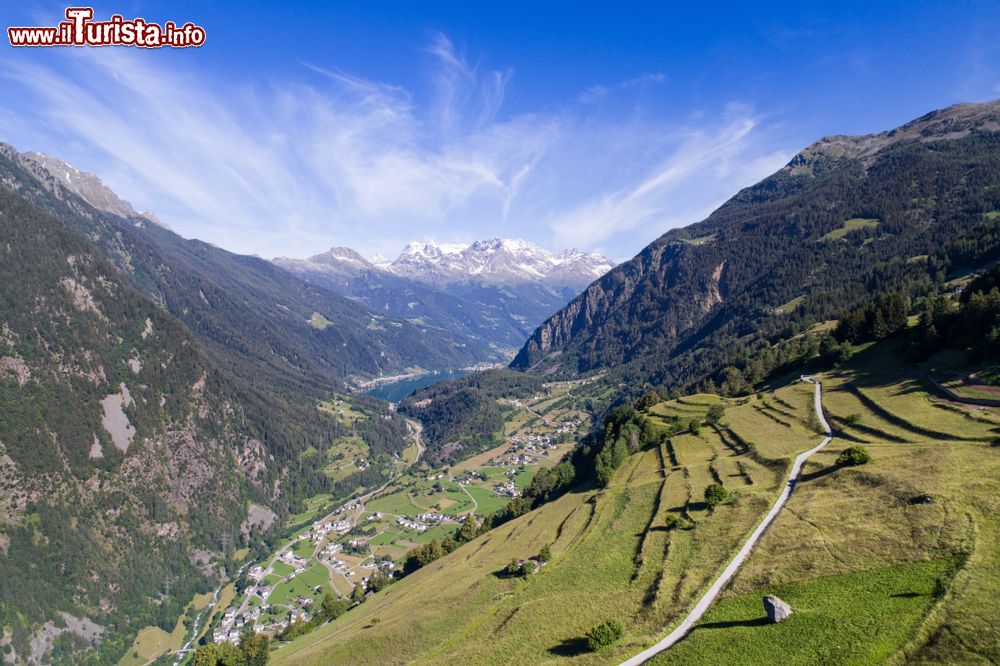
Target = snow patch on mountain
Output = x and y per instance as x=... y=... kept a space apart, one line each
x=500 y=260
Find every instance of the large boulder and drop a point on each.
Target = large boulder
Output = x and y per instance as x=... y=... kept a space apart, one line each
x=776 y=609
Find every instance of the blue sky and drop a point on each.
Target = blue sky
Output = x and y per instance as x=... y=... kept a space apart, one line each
x=370 y=124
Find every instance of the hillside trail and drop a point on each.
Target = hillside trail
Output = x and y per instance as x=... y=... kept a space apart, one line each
x=706 y=600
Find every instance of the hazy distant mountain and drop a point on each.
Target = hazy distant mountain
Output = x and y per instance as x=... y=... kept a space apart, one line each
x=492 y=292
x=498 y=261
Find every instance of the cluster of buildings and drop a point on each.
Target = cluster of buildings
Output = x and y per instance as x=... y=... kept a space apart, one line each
x=431 y=518
x=471 y=477
x=329 y=555
x=533 y=442
x=507 y=489
x=513 y=460
x=233 y=623
x=408 y=524
x=293 y=560
x=568 y=427
x=320 y=531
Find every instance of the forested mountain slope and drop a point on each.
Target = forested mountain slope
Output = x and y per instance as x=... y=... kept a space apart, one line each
x=245 y=310
x=124 y=457
x=488 y=334
x=848 y=219
x=134 y=441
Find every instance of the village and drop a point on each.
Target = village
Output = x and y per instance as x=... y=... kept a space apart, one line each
x=340 y=553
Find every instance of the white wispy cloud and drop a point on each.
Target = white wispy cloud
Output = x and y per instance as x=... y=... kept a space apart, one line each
x=678 y=189
x=328 y=157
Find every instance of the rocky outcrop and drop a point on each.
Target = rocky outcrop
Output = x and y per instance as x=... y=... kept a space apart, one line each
x=662 y=293
x=776 y=609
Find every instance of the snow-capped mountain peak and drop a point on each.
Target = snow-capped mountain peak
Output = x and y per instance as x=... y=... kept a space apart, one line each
x=498 y=260
x=489 y=261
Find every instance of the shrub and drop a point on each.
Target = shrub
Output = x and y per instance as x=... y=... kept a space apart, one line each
x=545 y=554
x=604 y=634
x=715 y=413
x=854 y=455
x=647 y=401
x=854 y=419
x=715 y=495
x=695 y=427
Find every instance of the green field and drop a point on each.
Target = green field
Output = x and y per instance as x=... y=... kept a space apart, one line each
x=851 y=225
x=304 y=548
x=387 y=536
x=609 y=557
x=439 y=532
x=398 y=504
x=282 y=569
x=319 y=322
x=302 y=586
x=858 y=618
x=153 y=642
x=487 y=501
x=792 y=304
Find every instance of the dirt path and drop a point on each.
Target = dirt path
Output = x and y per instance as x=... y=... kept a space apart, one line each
x=706 y=600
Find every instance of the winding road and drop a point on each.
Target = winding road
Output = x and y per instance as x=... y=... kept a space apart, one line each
x=706 y=600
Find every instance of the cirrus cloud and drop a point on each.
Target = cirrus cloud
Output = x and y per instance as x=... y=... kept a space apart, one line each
x=327 y=157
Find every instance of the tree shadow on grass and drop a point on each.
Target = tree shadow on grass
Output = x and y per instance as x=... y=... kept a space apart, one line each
x=818 y=474
x=909 y=595
x=571 y=647
x=755 y=622
x=503 y=574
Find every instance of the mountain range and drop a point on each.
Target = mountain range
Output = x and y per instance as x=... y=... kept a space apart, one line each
x=498 y=260
x=166 y=402
x=493 y=292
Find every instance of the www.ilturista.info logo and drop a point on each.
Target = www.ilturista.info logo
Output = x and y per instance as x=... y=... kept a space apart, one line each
x=81 y=30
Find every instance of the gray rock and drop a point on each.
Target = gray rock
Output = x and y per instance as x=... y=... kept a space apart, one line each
x=776 y=609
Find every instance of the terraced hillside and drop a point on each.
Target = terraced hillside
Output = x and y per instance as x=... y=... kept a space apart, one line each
x=641 y=550
x=893 y=560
